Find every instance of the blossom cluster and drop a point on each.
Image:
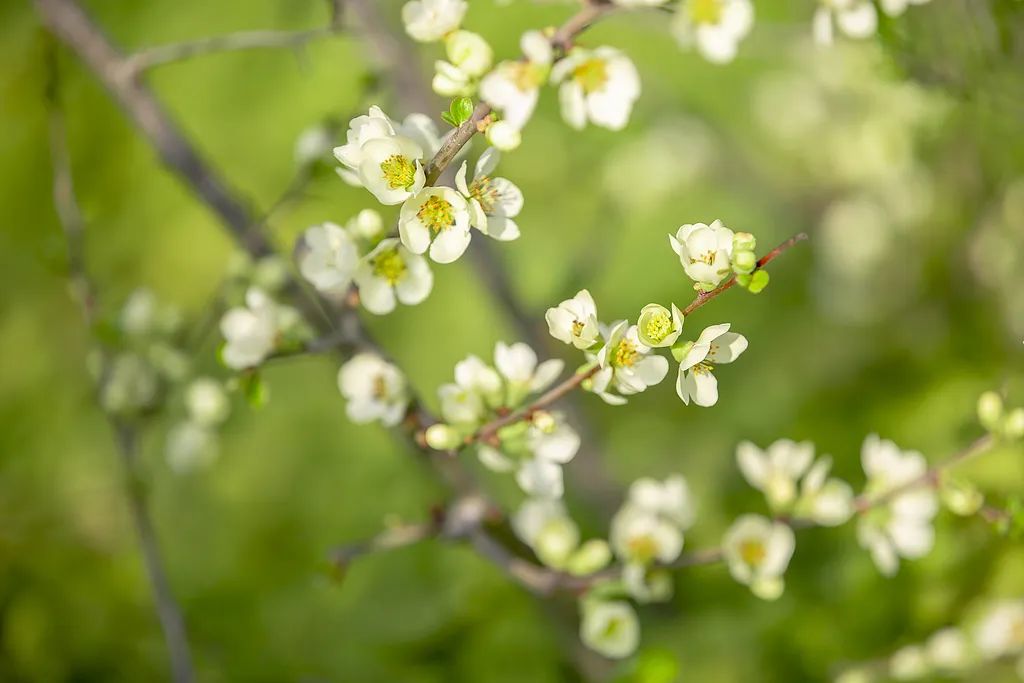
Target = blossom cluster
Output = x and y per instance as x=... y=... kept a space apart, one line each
x=996 y=636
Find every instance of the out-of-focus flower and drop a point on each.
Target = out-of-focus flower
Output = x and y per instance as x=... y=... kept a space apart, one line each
x=190 y=446
x=206 y=402
x=948 y=650
x=777 y=469
x=375 y=390
x=391 y=273
x=716 y=27
x=518 y=364
x=597 y=85
x=1000 y=633
x=909 y=663
x=650 y=524
x=855 y=18
x=431 y=20
x=250 y=332
x=824 y=500
x=901 y=525
x=610 y=628
x=330 y=259
x=513 y=87
x=758 y=551
x=504 y=136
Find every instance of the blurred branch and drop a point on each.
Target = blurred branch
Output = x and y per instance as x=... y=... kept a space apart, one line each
x=160 y=55
x=169 y=613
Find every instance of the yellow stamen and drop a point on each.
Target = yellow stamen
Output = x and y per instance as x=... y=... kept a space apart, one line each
x=592 y=74
x=390 y=265
x=399 y=171
x=437 y=214
x=705 y=11
x=752 y=552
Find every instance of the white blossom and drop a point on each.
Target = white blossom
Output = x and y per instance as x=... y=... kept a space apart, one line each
x=705 y=251
x=391 y=273
x=855 y=18
x=366 y=225
x=504 y=136
x=374 y=125
x=431 y=20
x=825 y=500
x=436 y=219
x=190 y=446
x=545 y=526
x=477 y=388
x=518 y=364
x=250 y=332
x=776 y=470
x=206 y=402
x=949 y=650
x=758 y=551
x=451 y=81
x=1000 y=633
x=391 y=168
x=716 y=27
x=610 y=628
x=574 y=321
x=330 y=258
x=658 y=327
x=513 y=86
x=650 y=524
x=900 y=525
x=597 y=85
x=647 y=584
x=627 y=365
x=375 y=390
x=469 y=53
x=696 y=380
x=493 y=202
x=908 y=663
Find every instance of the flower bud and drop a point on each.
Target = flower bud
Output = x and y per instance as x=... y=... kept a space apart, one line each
x=556 y=541
x=450 y=81
x=206 y=402
x=544 y=421
x=504 y=136
x=367 y=224
x=744 y=261
x=1013 y=427
x=758 y=281
x=470 y=52
x=442 y=437
x=743 y=241
x=960 y=497
x=990 y=410
x=592 y=556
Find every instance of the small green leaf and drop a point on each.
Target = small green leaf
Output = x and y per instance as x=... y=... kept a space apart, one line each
x=758 y=281
x=256 y=391
x=447 y=118
x=461 y=110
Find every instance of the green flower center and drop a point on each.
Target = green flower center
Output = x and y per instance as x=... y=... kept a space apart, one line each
x=592 y=74
x=625 y=354
x=437 y=214
x=390 y=265
x=612 y=628
x=642 y=548
x=399 y=171
x=659 y=326
x=527 y=76
x=482 y=190
x=752 y=552
x=705 y=11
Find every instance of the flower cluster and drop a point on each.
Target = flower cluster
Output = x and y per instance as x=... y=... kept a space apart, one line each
x=794 y=484
x=955 y=651
x=898 y=522
x=375 y=390
x=256 y=329
x=534 y=449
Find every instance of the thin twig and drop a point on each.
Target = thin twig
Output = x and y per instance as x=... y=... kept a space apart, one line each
x=169 y=614
x=160 y=55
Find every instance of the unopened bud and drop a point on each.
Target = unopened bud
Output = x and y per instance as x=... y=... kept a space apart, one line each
x=592 y=556
x=1013 y=427
x=442 y=437
x=743 y=241
x=990 y=410
x=504 y=136
x=744 y=261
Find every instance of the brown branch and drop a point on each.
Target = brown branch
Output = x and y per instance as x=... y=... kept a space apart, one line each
x=160 y=55
x=169 y=613
x=75 y=28
x=488 y=431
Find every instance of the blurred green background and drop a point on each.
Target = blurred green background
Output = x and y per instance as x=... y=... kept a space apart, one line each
x=903 y=157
